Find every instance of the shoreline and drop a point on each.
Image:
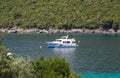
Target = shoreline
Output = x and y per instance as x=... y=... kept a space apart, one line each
x=59 y=31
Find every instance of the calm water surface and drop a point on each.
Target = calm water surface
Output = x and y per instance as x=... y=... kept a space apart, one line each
x=96 y=53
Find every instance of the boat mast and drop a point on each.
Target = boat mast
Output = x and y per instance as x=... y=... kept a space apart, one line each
x=67 y=36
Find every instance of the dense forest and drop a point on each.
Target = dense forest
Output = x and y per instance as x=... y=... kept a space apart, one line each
x=60 y=14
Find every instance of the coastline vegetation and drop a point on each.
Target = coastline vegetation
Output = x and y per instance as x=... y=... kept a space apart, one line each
x=62 y=14
x=12 y=66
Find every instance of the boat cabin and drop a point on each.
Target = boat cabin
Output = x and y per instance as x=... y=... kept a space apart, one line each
x=64 y=41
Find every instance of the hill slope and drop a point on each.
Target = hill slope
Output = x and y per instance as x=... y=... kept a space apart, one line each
x=59 y=14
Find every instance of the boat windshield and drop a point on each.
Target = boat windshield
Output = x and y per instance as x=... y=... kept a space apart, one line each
x=58 y=40
x=64 y=37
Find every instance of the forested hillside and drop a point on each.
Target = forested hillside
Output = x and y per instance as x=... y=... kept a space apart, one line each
x=59 y=14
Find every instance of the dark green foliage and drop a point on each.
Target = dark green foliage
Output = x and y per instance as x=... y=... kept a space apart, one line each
x=17 y=15
x=62 y=14
x=107 y=24
x=51 y=68
x=115 y=26
x=41 y=68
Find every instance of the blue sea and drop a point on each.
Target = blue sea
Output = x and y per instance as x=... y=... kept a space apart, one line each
x=97 y=56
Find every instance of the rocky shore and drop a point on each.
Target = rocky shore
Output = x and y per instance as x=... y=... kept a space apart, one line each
x=62 y=31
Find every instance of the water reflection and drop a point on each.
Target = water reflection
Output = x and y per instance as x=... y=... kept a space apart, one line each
x=68 y=53
x=64 y=50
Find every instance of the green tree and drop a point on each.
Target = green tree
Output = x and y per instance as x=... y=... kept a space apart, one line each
x=51 y=68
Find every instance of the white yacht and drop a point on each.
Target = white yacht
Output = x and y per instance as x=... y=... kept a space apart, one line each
x=63 y=42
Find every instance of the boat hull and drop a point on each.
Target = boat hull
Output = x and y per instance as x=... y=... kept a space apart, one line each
x=56 y=45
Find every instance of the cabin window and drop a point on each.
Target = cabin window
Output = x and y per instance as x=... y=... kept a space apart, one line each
x=66 y=41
